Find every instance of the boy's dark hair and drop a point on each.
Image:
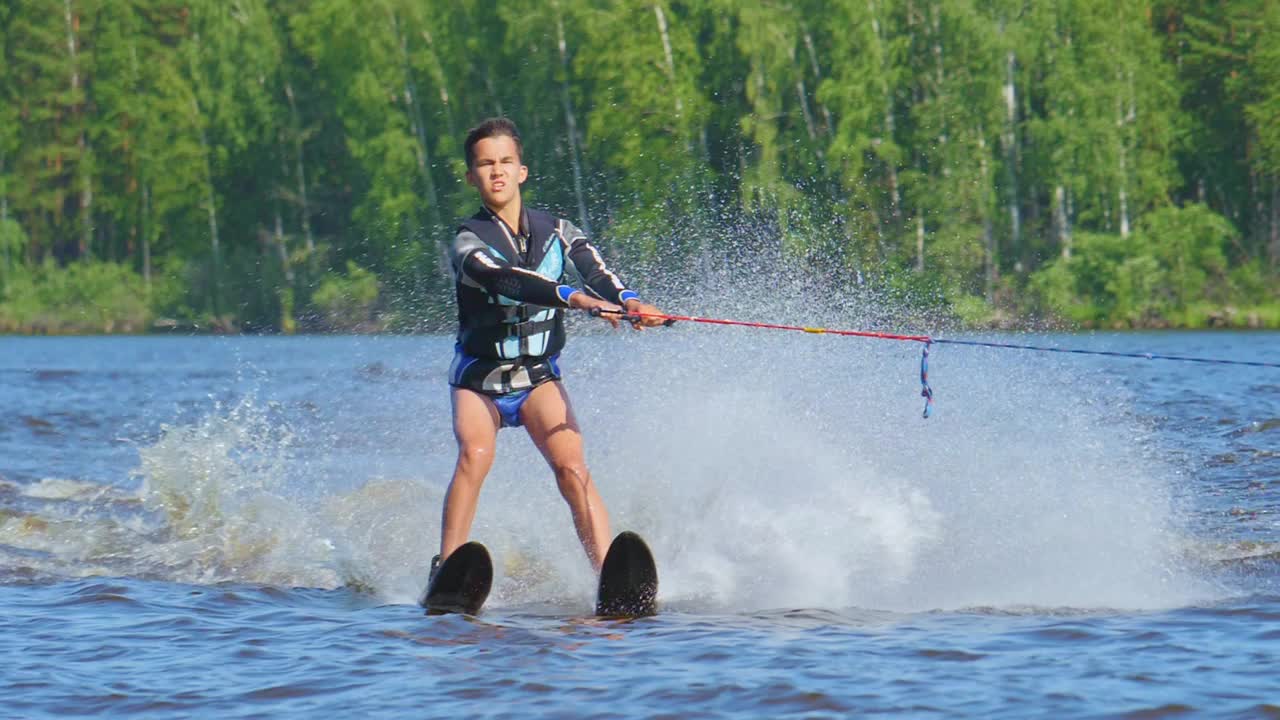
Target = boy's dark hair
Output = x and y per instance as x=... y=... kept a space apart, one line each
x=493 y=127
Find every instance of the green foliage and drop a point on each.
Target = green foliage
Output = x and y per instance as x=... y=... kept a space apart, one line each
x=1190 y=244
x=1080 y=286
x=171 y=294
x=241 y=155
x=84 y=297
x=1175 y=263
x=1252 y=284
x=1264 y=109
x=648 y=106
x=1229 y=81
x=346 y=302
x=12 y=242
x=972 y=310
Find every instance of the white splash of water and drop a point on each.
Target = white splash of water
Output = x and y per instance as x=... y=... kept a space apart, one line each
x=795 y=471
x=227 y=513
x=767 y=470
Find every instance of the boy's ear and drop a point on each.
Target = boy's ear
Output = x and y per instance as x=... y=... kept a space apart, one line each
x=524 y=174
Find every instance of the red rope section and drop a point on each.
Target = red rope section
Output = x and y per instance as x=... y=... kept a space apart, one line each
x=772 y=326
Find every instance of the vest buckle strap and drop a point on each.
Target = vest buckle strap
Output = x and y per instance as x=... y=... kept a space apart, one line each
x=531 y=328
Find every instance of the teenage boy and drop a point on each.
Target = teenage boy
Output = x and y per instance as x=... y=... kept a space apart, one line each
x=509 y=265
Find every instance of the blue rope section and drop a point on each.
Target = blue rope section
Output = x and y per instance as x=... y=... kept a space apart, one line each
x=926 y=392
x=1141 y=356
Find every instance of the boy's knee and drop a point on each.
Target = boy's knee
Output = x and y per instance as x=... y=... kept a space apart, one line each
x=573 y=479
x=473 y=458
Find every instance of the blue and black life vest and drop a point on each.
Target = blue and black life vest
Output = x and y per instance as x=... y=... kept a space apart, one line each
x=494 y=326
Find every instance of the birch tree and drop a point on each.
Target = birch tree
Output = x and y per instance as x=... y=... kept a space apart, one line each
x=359 y=54
x=957 y=124
x=52 y=156
x=9 y=239
x=862 y=91
x=1264 y=113
x=648 y=109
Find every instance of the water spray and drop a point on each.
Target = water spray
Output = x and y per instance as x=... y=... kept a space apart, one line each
x=926 y=392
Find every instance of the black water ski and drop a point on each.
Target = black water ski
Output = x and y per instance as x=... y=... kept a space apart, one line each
x=462 y=583
x=628 y=579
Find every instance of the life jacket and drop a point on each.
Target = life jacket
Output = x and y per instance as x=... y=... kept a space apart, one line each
x=497 y=327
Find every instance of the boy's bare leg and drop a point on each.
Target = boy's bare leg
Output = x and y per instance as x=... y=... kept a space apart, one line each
x=548 y=416
x=475 y=426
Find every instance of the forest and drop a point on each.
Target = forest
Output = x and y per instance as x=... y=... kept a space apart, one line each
x=296 y=165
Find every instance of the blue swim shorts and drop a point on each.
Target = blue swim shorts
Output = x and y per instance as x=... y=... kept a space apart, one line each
x=509 y=406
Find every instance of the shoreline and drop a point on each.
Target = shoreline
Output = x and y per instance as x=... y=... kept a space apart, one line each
x=998 y=324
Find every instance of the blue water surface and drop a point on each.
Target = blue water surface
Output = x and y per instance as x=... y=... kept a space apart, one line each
x=238 y=527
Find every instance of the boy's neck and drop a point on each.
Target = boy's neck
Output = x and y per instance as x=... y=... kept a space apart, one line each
x=510 y=213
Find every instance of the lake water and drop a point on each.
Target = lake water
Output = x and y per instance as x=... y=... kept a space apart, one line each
x=239 y=527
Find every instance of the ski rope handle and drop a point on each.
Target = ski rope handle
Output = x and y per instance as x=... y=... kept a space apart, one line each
x=628 y=317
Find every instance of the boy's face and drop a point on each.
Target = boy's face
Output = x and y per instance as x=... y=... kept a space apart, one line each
x=496 y=171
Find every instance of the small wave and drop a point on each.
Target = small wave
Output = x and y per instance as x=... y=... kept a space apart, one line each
x=38 y=425
x=64 y=489
x=950 y=655
x=55 y=375
x=1060 y=611
x=1167 y=710
x=1253 y=427
x=1236 y=553
x=378 y=371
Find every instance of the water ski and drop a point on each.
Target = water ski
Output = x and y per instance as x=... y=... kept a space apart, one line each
x=628 y=579
x=462 y=583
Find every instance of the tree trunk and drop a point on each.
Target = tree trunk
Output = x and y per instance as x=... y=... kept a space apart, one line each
x=804 y=109
x=146 y=237
x=211 y=207
x=420 y=130
x=300 y=167
x=82 y=141
x=1274 y=246
x=817 y=75
x=935 y=22
x=1256 y=204
x=442 y=80
x=285 y=294
x=988 y=237
x=282 y=250
x=1009 y=139
x=1062 y=220
x=935 y=17
x=670 y=57
x=210 y=199
x=215 y=244
x=443 y=266
x=890 y=127
x=920 y=242
x=86 y=198
x=1123 y=121
x=1123 y=198
x=571 y=124
x=493 y=91
x=4 y=218
x=802 y=95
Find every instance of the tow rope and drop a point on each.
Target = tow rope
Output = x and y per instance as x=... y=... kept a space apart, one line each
x=927 y=392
